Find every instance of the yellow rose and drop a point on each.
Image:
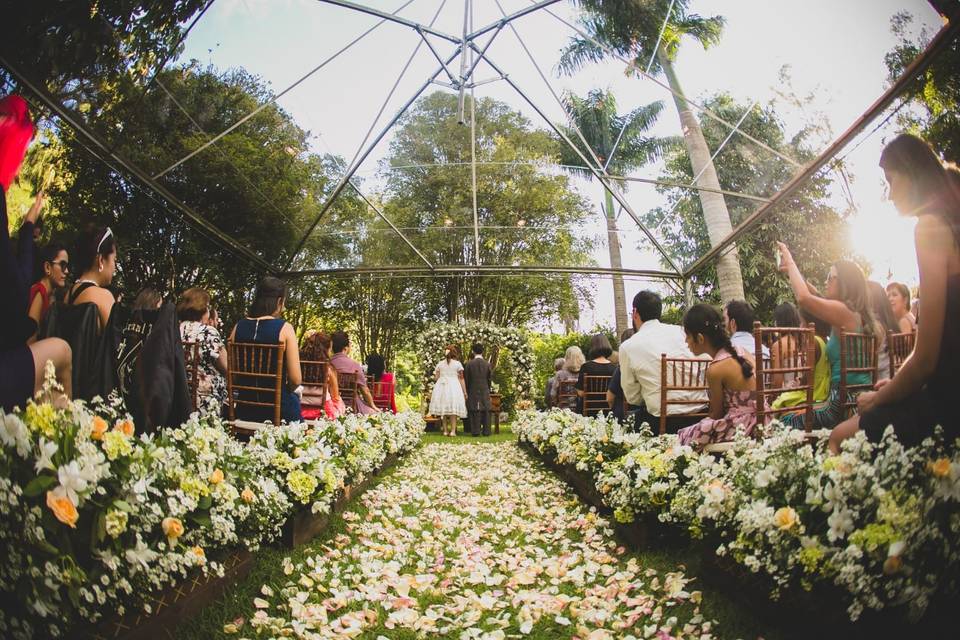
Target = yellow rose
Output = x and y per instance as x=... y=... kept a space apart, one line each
x=248 y=496
x=198 y=551
x=891 y=565
x=940 y=468
x=216 y=477
x=599 y=457
x=98 y=428
x=63 y=509
x=172 y=528
x=785 y=518
x=126 y=428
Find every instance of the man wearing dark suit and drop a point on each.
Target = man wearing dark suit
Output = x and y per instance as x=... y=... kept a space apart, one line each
x=476 y=375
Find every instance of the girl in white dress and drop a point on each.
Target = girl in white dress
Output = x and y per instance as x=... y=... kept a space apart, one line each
x=448 y=398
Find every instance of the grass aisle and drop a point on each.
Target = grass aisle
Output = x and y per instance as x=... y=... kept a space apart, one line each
x=473 y=542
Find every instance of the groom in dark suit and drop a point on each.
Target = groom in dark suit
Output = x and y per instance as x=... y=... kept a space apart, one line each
x=476 y=375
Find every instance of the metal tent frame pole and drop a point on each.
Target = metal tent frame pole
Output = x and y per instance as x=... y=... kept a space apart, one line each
x=413 y=270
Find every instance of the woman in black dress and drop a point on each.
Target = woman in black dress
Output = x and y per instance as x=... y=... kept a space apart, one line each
x=598 y=365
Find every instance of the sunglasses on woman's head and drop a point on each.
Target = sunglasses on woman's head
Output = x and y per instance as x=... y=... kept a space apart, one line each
x=106 y=234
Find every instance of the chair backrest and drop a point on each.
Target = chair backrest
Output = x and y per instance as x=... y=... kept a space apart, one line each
x=348 y=389
x=254 y=376
x=595 y=394
x=790 y=368
x=191 y=362
x=899 y=346
x=858 y=355
x=681 y=374
x=314 y=374
x=567 y=395
x=381 y=392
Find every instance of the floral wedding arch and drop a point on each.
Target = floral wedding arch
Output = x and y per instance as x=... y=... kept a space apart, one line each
x=431 y=343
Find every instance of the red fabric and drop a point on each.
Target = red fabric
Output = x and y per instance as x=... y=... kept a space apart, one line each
x=383 y=392
x=16 y=129
x=39 y=290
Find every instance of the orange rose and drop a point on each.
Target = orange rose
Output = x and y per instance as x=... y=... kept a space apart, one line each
x=892 y=565
x=198 y=551
x=63 y=509
x=172 y=528
x=98 y=428
x=216 y=477
x=126 y=428
x=940 y=468
x=248 y=496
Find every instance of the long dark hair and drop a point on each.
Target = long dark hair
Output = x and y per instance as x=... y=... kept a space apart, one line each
x=880 y=305
x=852 y=291
x=932 y=188
x=375 y=366
x=707 y=321
x=316 y=347
x=269 y=292
x=785 y=315
x=94 y=242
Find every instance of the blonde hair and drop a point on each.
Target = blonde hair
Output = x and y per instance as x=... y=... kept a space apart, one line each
x=573 y=359
x=194 y=302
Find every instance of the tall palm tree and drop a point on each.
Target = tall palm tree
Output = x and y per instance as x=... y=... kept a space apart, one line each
x=595 y=115
x=631 y=29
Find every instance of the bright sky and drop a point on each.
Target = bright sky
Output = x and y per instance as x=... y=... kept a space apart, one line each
x=834 y=50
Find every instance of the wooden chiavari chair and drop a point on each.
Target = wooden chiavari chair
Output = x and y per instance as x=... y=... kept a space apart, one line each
x=595 y=395
x=899 y=346
x=254 y=379
x=191 y=362
x=567 y=395
x=681 y=374
x=348 y=389
x=795 y=359
x=858 y=354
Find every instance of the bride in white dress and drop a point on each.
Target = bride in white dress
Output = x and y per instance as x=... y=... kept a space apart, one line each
x=448 y=398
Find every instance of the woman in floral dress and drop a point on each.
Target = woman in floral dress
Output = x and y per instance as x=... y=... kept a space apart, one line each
x=193 y=310
x=732 y=385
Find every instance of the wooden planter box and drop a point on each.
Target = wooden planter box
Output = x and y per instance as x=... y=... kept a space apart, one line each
x=171 y=606
x=305 y=525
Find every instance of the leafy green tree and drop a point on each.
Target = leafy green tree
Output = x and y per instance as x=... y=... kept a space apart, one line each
x=620 y=141
x=631 y=29
x=812 y=229
x=936 y=97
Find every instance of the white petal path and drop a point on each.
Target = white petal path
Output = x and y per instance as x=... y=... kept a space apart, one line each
x=476 y=541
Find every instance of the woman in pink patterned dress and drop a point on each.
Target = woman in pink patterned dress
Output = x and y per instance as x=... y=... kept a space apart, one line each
x=732 y=385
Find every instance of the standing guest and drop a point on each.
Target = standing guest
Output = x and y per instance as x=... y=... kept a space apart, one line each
x=448 y=398
x=384 y=392
x=880 y=306
x=640 y=359
x=846 y=307
x=22 y=367
x=54 y=266
x=316 y=400
x=738 y=319
x=570 y=372
x=476 y=376
x=733 y=387
x=899 y=297
x=551 y=382
x=264 y=324
x=343 y=363
x=923 y=393
x=598 y=365
x=615 y=398
x=194 y=312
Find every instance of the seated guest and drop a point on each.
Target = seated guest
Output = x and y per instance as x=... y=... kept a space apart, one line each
x=640 y=365
x=551 y=381
x=821 y=367
x=615 y=398
x=343 y=363
x=316 y=400
x=899 y=297
x=383 y=387
x=97 y=261
x=194 y=313
x=738 y=319
x=787 y=316
x=54 y=267
x=264 y=324
x=22 y=367
x=570 y=372
x=598 y=365
x=846 y=307
x=733 y=387
x=924 y=391
x=883 y=314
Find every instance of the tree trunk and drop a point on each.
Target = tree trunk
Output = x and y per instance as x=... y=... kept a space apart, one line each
x=715 y=213
x=613 y=242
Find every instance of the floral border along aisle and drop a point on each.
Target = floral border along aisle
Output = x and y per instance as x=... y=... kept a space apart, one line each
x=877 y=523
x=95 y=518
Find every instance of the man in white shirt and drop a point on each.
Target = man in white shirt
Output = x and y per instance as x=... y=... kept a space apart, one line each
x=738 y=319
x=640 y=366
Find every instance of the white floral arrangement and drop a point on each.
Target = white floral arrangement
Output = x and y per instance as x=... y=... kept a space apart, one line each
x=431 y=343
x=878 y=523
x=94 y=518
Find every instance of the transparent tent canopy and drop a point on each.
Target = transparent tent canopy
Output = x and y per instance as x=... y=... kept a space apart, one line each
x=348 y=72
